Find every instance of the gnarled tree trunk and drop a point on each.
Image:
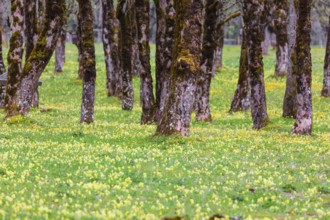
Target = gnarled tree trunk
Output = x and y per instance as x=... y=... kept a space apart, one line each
x=282 y=50
x=39 y=58
x=146 y=90
x=176 y=117
x=304 y=118
x=326 y=81
x=15 y=56
x=253 y=16
x=290 y=98
x=203 y=112
x=241 y=100
x=88 y=61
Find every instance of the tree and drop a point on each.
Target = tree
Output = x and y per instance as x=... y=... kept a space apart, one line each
x=20 y=96
x=88 y=61
x=60 y=51
x=146 y=90
x=253 y=16
x=290 y=98
x=304 y=117
x=31 y=26
x=207 y=67
x=2 y=65
x=126 y=19
x=176 y=117
x=326 y=81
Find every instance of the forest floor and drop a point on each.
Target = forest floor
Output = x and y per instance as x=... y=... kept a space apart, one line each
x=53 y=167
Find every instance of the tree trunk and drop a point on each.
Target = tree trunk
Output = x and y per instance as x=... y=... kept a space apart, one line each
x=220 y=38
x=126 y=43
x=79 y=46
x=253 y=15
x=290 y=98
x=88 y=61
x=60 y=51
x=135 y=46
x=39 y=58
x=266 y=42
x=281 y=25
x=146 y=91
x=326 y=81
x=203 y=112
x=170 y=16
x=185 y=68
x=41 y=14
x=160 y=44
x=241 y=100
x=31 y=28
x=303 y=124
x=2 y=64
x=15 y=55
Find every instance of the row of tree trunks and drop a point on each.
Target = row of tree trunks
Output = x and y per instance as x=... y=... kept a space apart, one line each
x=290 y=98
x=241 y=99
x=21 y=93
x=303 y=124
x=126 y=18
x=326 y=81
x=146 y=90
x=185 y=69
x=281 y=32
x=207 y=67
x=253 y=16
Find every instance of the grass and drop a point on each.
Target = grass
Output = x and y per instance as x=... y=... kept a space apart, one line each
x=52 y=167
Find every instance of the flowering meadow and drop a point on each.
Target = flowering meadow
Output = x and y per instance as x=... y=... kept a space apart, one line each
x=52 y=167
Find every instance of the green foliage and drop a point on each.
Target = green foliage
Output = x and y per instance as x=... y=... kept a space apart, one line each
x=53 y=167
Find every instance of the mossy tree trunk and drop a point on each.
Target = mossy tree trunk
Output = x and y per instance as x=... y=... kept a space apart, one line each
x=15 y=56
x=126 y=19
x=290 y=98
x=31 y=28
x=304 y=118
x=160 y=44
x=39 y=58
x=88 y=61
x=241 y=100
x=176 y=117
x=60 y=51
x=281 y=32
x=146 y=90
x=170 y=16
x=326 y=81
x=203 y=112
x=253 y=16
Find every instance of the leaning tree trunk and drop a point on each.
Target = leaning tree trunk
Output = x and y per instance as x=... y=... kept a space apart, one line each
x=110 y=46
x=241 y=100
x=146 y=91
x=290 y=98
x=60 y=51
x=167 y=54
x=160 y=44
x=15 y=55
x=326 y=81
x=281 y=32
x=304 y=119
x=203 y=112
x=185 y=68
x=126 y=42
x=39 y=58
x=88 y=61
x=253 y=16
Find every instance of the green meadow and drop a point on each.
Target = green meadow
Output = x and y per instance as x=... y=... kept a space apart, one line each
x=53 y=167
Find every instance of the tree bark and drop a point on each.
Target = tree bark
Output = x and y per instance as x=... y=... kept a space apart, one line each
x=326 y=81
x=146 y=90
x=79 y=46
x=60 y=51
x=31 y=28
x=253 y=16
x=126 y=19
x=290 y=98
x=203 y=112
x=88 y=61
x=241 y=100
x=39 y=58
x=2 y=64
x=185 y=68
x=160 y=44
x=15 y=55
x=282 y=50
x=220 y=38
x=304 y=119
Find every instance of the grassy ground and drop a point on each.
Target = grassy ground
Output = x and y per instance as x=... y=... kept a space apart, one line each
x=53 y=167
